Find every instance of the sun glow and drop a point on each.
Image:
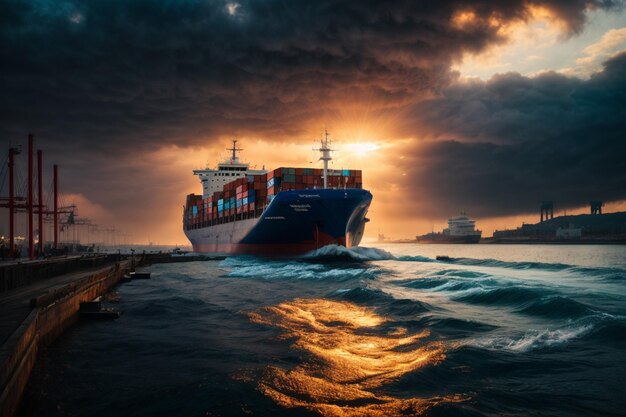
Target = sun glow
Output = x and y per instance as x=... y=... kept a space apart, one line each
x=360 y=149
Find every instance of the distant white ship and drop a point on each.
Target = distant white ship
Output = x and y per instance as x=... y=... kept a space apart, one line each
x=461 y=229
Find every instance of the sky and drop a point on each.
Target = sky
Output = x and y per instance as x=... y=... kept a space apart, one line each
x=487 y=106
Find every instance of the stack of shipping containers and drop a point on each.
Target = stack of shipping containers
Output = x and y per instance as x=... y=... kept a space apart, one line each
x=247 y=197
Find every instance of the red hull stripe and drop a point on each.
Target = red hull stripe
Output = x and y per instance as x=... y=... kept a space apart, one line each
x=269 y=249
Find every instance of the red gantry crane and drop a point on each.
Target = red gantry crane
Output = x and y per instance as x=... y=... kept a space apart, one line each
x=27 y=204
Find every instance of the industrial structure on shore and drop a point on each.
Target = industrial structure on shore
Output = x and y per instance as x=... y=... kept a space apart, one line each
x=58 y=228
x=594 y=227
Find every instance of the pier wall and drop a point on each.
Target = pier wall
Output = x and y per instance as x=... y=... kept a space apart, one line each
x=51 y=315
x=20 y=274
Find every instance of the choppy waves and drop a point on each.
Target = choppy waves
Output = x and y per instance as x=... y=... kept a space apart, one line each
x=355 y=332
x=350 y=360
x=599 y=328
x=297 y=270
x=562 y=316
x=384 y=302
x=331 y=262
x=605 y=273
x=332 y=253
x=535 y=339
x=523 y=297
x=570 y=305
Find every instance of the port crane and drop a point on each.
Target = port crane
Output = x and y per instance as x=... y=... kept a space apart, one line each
x=60 y=221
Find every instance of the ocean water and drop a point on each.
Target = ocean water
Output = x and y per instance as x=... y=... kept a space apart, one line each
x=498 y=330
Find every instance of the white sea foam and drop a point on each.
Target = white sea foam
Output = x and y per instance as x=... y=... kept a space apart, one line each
x=297 y=270
x=356 y=253
x=532 y=340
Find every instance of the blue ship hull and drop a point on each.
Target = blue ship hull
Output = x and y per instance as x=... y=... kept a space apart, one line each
x=294 y=223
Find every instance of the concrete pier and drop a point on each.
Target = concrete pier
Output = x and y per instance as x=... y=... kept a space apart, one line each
x=16 y=274
x=37 y=305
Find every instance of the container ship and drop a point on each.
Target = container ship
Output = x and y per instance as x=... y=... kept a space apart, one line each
x=281 y=212
x=461 y=229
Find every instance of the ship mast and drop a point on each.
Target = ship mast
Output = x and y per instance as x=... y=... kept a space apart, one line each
x=234 y=149
x=325 y=155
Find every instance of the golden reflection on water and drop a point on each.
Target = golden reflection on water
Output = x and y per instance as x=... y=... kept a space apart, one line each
x=349 y=359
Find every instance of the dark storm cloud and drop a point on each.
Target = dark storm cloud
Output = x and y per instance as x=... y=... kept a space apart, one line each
x=93 y=79
x=184 y=70
x=506 y=144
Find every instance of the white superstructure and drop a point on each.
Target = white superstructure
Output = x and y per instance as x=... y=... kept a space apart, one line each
x=214 y=179
x=461 y=226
